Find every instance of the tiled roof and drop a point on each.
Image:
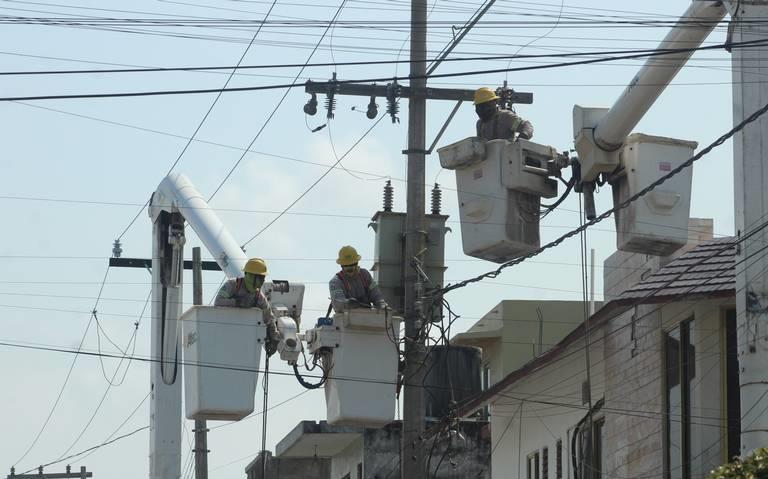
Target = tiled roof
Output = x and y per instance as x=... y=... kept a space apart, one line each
x=706 y=269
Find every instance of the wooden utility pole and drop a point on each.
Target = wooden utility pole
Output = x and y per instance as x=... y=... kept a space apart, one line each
x=412 y=452
x=412 y=457
x=201 y=427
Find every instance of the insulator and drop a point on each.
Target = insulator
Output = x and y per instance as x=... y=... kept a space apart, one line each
x=388 y=196
x=392 y=109
x=437 y=199
x=117 y=249
x=393 y=91
x=330 y=105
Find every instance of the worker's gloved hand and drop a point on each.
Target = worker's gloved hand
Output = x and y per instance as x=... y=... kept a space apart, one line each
x=381 y=305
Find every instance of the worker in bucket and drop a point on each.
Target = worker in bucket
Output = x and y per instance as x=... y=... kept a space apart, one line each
x=495 y=123
x=353 y=286
x=246 y=292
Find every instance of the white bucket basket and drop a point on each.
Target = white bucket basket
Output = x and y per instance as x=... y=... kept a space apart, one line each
x=500 y=185
x=658 y=222
x=221 y=350
x=360 y=390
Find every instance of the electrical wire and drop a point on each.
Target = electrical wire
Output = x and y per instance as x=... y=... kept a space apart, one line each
x=69 y=373
x=306 y=191
x=656 y=53
x=93 y=448
x=279 y=103
x=205 y=117
x=554 y=27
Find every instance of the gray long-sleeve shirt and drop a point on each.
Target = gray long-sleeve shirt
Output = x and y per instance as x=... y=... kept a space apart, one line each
x=234 y=294
x=503 y=126
x=361 y=287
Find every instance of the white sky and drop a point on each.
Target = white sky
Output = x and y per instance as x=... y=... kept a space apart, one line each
x=54 y=253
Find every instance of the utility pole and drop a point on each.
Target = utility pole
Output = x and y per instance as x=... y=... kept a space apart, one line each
x=82 y=474
x=201 y=427
x=750 y=150
x=412 y=457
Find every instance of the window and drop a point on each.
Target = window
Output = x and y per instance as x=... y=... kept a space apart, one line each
x=590 y=465
x=545 y=463
x=597 y=461
x=678 y=375
x=559 y=459
x=532 y=466
x=485 y=383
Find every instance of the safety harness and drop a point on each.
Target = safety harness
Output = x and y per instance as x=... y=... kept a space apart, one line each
x=347 y=287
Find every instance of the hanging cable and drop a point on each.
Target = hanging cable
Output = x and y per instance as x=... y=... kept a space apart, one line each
x=265 y=385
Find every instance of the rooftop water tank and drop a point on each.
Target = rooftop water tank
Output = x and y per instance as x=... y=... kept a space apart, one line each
x=453 y=374
x=221 y=350
x=657 y=223
x=500 y=184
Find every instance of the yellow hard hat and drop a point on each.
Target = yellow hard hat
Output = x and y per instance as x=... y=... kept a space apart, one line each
x=484 y=95
x=347 y=256
x=256 y=266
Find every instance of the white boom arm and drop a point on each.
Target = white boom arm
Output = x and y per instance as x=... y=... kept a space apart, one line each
x=175 y=203
x=599 y=133
x=177 y=194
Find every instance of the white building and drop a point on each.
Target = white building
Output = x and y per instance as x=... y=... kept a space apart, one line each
x=663 y=370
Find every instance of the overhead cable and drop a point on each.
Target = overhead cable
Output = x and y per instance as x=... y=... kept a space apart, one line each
x=655 y=53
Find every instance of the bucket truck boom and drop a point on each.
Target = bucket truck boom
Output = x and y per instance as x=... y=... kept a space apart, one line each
x=174 y=203
x=599 y=133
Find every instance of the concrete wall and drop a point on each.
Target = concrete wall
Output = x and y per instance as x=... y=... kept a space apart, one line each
x=382 y=454
x=381 y=457
x=635 y=382
x=289 y=468
x=520 y=335
x=347 y=461
x=541 y=409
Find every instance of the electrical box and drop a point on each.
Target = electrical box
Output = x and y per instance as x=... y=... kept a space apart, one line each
x=500 y=195
x=361 y=386
x=221 y=350
x=389 y=253
x=657 y=223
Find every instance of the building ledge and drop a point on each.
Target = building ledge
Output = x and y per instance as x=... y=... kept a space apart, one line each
x=317 y=439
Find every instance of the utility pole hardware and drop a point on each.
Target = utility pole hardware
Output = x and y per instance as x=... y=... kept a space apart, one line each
x=81 y=474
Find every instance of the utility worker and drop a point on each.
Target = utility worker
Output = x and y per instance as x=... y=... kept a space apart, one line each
x=353 y=286
x=246 y=292
x=495 y=123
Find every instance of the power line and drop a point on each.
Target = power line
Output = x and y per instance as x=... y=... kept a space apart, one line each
x=279 y=103
x=205 y=117
x=69 y=373
x=322 y=64
x=93 y=448
x=303 y=194
x=750 y=44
